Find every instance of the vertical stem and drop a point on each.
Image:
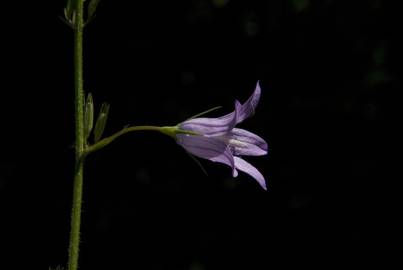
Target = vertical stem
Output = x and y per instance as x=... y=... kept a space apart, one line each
x=79 y=140
x=76 y=217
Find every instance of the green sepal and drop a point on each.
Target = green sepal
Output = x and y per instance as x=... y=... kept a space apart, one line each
x=101 y=122
x=205 y=112
x=88 y=116
x=172 y=131
x=198 y=163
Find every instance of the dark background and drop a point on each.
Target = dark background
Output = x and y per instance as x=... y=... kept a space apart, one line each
x=330 y=73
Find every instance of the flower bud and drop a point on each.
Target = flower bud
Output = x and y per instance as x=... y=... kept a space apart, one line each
x=88 y=116
x=101 y=122
x=92 y=8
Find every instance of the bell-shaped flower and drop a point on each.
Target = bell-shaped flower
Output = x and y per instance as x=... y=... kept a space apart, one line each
x=218 y=140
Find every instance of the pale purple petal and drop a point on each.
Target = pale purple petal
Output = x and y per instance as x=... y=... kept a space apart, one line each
x=246 y=149
x=207 y=148
x=247 y=109
x=249 y=143
x=212 y=126
x=244 y=166
x=234 y=114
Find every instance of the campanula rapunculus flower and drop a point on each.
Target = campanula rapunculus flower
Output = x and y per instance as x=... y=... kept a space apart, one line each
x=218 y=140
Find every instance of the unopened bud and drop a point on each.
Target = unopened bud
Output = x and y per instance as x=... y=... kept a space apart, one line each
x=101 y=122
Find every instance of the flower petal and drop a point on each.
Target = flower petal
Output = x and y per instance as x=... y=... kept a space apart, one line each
x=211 y=126
x=234 y=114
x=207 y=148
x=244 y=166
x=247 y=109
x=249 y=144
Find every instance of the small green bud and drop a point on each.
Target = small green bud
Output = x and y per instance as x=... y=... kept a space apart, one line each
x=92 y=8
x=69 y=12
x=88 y=116
x=101 y=122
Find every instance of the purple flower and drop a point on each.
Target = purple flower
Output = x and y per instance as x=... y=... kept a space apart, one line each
x=218 y=140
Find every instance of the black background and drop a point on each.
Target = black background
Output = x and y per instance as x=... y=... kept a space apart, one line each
x=330 y=75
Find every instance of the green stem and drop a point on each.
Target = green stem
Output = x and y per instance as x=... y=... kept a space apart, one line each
x=76 y=217
x=168 y=130
x=80 y=140
x=104 y=142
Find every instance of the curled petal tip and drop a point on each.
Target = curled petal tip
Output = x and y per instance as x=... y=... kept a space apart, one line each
x=248 y=108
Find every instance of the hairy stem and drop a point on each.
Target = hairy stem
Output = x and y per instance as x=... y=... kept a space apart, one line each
x=79 y=140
